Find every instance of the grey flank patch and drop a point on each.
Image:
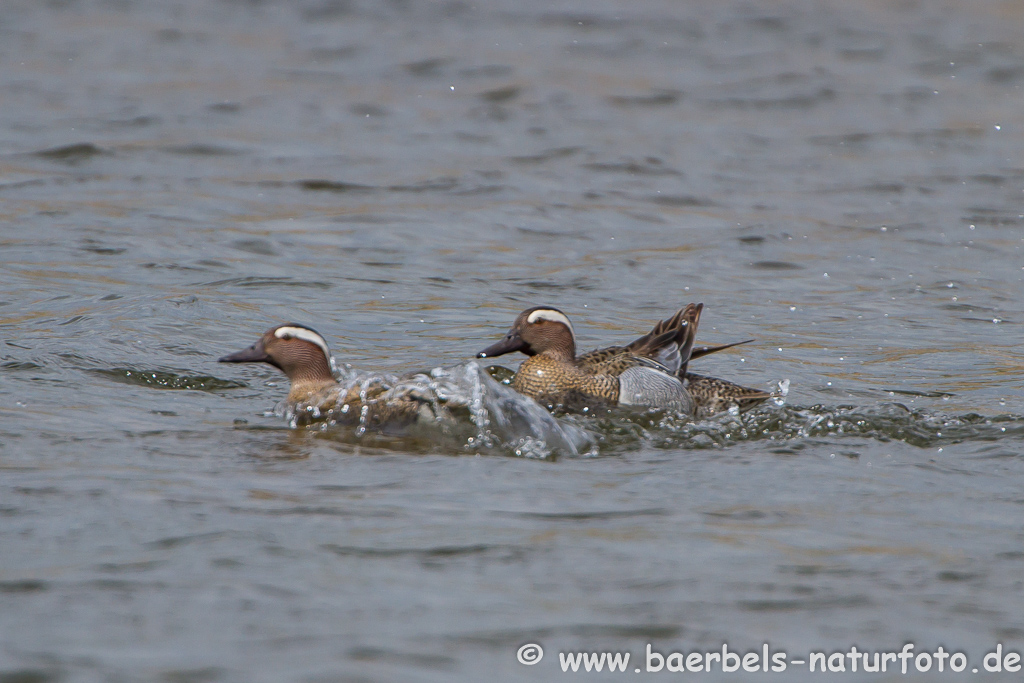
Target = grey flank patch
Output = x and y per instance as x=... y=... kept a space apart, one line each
x=644 y=386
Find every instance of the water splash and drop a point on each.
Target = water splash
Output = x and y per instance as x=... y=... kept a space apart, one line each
x=780 y=396
x=461 y=408
x=789 y=427
x=466 y=410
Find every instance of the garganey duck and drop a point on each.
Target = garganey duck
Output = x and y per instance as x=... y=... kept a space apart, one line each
x=303 y=355
x=650 y=371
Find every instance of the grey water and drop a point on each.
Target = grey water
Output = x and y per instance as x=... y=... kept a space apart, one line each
x=841 y=181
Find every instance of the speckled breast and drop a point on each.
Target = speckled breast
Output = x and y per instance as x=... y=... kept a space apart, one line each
x=551 y=382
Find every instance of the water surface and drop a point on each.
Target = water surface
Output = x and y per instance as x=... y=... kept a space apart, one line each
x=841 y=181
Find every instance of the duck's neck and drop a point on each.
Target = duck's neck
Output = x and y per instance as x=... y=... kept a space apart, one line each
x=563 y=352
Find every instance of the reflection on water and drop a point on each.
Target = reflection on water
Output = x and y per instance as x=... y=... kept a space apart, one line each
x=839 y=181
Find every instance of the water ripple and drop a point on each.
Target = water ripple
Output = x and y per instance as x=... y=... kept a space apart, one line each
x=161 y=379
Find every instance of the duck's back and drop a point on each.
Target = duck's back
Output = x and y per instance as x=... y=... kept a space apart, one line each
x=613 y=360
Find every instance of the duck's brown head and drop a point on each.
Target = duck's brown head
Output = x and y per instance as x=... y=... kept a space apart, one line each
x=537 y=330
x=298 y=351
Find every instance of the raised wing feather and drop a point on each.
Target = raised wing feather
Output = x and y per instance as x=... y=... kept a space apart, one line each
x=669 y=345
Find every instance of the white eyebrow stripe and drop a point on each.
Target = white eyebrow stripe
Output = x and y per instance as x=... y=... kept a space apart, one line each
x=553 y=316
x=305 y=335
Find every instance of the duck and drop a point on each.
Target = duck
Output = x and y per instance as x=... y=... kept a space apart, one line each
x=640 y=374
x=460 y=404
x=315 y=395
x=651 y=371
